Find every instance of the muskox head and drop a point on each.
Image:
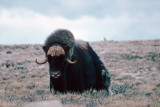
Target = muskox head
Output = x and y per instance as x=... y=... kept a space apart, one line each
x=56 y=57
x=58 y=48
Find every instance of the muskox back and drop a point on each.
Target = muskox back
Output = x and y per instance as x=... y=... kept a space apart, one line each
x=89 y=71
x=100 y=72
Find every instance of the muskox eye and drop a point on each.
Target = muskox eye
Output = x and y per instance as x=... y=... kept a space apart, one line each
x=49 y=58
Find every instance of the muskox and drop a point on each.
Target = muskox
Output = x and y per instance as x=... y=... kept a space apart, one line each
x=73 y=65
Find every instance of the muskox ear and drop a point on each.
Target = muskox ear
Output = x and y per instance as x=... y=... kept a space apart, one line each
x=70 y=52
x=45 y=48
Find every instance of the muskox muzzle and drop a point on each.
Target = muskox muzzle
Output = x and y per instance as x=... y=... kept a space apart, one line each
x=56 y=74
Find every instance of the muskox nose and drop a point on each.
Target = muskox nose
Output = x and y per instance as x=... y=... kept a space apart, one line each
x=56 y=74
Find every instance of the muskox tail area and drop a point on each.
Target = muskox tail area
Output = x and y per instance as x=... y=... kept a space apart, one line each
x=102 y=74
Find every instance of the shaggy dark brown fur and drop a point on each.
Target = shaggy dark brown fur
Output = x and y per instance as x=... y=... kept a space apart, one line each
x=62 y=37
x=88 y=72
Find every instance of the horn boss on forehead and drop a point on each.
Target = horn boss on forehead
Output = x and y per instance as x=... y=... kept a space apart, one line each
x=55 y=51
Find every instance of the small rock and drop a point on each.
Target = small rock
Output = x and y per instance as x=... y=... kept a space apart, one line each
x=54 y=103
x=8 y=52
x=116 y=89
x=31 y=86
x=158 y=94
x=40 y=92
x=31 y=75
x=8 y=64
x=148 y=94
x=20 y=68
x=158 y=85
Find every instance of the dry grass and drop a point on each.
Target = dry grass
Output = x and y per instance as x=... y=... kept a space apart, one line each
x=134 y=67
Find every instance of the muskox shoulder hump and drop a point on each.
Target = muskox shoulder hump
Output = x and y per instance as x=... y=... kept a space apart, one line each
x=82 y=44
x=62 y=37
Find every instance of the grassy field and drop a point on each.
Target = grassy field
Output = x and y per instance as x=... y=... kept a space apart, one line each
x=134 y=67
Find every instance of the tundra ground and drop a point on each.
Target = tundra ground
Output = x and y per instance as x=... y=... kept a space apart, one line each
x=134 y=67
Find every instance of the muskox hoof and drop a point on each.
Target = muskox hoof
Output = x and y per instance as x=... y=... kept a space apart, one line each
x=53 y=91
x=109 y=92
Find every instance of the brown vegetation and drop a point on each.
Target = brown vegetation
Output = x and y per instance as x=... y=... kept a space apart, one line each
x=134 y=67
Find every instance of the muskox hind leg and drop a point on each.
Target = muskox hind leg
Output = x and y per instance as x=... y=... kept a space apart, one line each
x=107 y=80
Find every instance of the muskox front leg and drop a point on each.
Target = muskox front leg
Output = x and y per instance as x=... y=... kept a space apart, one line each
x=52 y=88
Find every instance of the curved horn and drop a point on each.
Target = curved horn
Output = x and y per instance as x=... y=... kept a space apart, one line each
x=71 y=62
x=43 y=62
